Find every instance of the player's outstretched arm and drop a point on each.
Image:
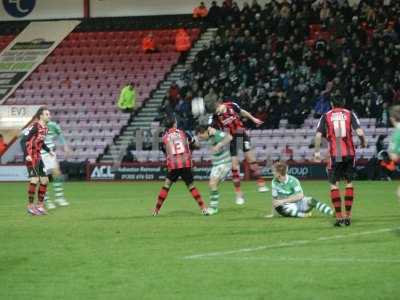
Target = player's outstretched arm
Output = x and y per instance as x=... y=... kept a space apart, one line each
x=193 y=142
x=246 y=114
x=362 y=137
x=48 y=150
x=272 y=214
x=290 y=199
x=317 y=147
x=355 y=124
x=321 y=132
x=225 y=141
x=67 y=149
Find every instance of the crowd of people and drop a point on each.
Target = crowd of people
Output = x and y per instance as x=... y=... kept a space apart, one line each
x=286 y=59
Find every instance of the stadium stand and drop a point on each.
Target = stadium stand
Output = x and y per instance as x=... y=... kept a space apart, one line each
x=282 y=62
x=81 y=79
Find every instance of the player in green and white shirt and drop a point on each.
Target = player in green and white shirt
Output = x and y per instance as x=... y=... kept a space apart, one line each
x=394 y=146
x=52 y=166
x=221 y=160
x=288 y=198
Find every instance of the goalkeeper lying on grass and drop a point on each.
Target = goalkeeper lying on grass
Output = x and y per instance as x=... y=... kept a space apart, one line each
x=288 y=199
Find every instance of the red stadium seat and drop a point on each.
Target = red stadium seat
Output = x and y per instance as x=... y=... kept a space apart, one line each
x=81 y=80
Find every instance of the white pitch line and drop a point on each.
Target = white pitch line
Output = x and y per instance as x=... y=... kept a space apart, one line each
x=316 y=259
x=289 y=244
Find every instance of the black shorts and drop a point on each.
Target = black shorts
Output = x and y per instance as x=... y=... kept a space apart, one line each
x=341 y=170
x=281 y=210
x=240 y=140
x=185 y=173
x=37 y=170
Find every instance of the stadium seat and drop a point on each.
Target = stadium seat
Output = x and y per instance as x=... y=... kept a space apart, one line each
x=81 y=80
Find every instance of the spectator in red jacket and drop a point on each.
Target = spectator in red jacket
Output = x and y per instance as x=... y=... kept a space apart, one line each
x=174 y=94
x=200 y=12
x=182 y=41
x=149 y=44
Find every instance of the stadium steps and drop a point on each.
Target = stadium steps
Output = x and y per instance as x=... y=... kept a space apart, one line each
x=206 y=38
x=149 y=111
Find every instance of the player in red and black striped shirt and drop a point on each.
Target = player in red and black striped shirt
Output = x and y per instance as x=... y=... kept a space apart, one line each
x=176 y=144
x=228 y=117
x=32 y=142
x=337 y=127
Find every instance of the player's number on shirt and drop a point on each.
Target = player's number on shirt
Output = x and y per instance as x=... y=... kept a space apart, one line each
x=178 y=147
x=339 y=124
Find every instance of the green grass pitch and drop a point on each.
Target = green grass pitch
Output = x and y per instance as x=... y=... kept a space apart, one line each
x=106 y=245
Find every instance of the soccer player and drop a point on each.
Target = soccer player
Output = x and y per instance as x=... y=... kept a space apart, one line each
x=32 y=142
x=227 y=118
x=337 y=127
x=221 y=160
x=288 y=197
x=176 y=144
x=394 y=146
x=52 y=166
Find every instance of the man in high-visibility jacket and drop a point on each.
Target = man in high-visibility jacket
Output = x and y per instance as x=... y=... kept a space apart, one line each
x=182 y=44
x=182 y=41
x=127 y=98
x=149 y=44
x=200 y=11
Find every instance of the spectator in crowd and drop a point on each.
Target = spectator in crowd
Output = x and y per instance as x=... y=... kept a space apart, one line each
x=128 y=157
x=200 y=12
x=380 y=143
x=198 y=107
x=382 y=119
x=214 y=14
x=210 y=100
x=182 y=43
x=3 y=145
x=67 y=83
x=321 y=106
x=299 y=54
x=149 y=44
x=174 y=94
x=287 y=153
x=127 y=98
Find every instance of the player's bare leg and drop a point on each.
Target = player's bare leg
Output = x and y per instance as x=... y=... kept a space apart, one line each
x=31 y=208
x=236 y=180
x=337 y=204
x=348 y=202
x=196 y=196
x=162 y=195
x=43 y=182
x=255 y=171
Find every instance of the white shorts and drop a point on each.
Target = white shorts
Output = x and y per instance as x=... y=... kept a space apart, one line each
x=50 y=162
x=221 y=171
x=299 y=206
